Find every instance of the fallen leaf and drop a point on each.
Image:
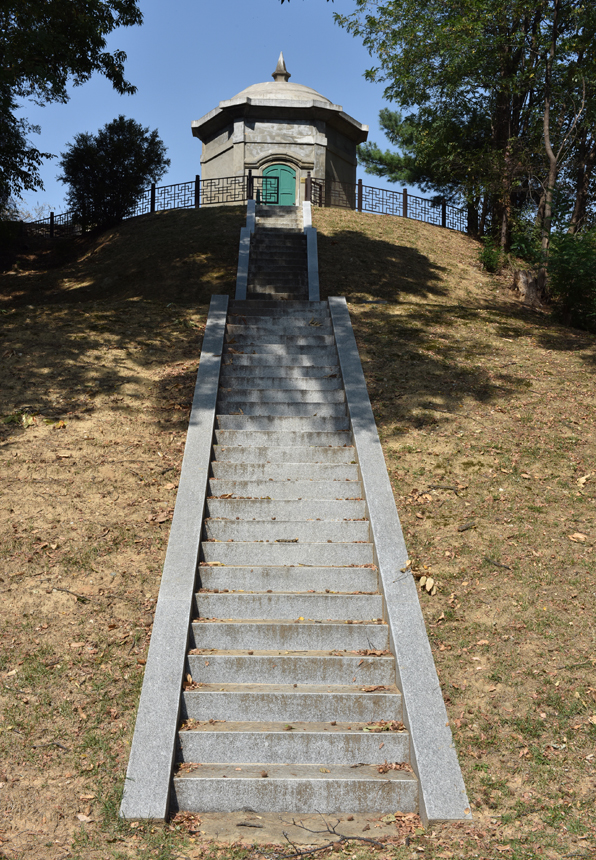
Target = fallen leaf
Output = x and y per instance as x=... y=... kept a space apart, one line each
x=373 y=689
x=324 y=770
x=82 y=817
x=578 y=537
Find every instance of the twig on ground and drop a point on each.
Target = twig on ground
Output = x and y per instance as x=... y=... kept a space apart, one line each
x=496 y=563
x=444 y=487
x=577 y=665
x=341 y=838
x=50 y=744
x=80 y=597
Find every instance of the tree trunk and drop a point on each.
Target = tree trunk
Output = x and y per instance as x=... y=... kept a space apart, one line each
x=553 y=166
x=530 y=286
x=582 y=188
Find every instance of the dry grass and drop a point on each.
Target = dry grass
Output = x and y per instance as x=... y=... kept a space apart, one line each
x=470 y=390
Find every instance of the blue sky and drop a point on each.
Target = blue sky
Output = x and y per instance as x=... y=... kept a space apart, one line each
x=190 y=54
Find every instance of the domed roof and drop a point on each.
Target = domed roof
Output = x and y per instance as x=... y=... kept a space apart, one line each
x=277 y=101
x=280 y=88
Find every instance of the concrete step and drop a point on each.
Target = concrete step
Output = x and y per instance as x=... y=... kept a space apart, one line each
x=304 y=410
x=265 y=271
x=304 y=669
x=298 y=310
x=297 y=319
x=285 y=471
x=332 y=382
x=290 y=437
x=289 y=605
x=275 y=309
x=276 y=229
x=299 y=788
x=282 y=276
x=294 y=362
x=281 y=333
x=316 y=355
x=289 y=396
x=298 y=454
x=282 y=326
x=304 y=531
x=274 y=292
x=232 y=369
x=290 y=636
x=281 y=423
x=265 y=257
x=275 y=702
x=255 y=337
x=305 y=743
x=317 y=554
x=220 y=488
x=284 y=509
x=285 y=578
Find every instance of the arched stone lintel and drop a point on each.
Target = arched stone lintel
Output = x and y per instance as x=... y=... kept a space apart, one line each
x=280 y=157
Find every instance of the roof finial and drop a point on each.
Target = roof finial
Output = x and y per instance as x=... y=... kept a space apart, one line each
x=281 y=73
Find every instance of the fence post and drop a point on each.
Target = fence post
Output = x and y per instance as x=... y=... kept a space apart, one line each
x=444 y=214
x=405 y=203
x=308 y=188
x=152 y=207
x=51 y=225
x=250 y=186
x=197 y=191
x=360 y=195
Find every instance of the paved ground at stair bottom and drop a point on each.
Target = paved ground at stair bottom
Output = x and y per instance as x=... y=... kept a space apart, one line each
x=288 y=592
x=249 y=828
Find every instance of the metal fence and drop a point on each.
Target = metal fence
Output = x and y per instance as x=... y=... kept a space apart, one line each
x=182 y=195
x=382 y=201
x=237 y=189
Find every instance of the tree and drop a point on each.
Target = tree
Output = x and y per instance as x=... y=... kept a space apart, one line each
x=44 y=46
x=109 y=171
x=514 y=66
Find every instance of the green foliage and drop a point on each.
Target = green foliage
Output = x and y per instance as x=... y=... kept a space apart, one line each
x=490 y=255
x=440 y=153
x=525 y=241
x=44 y=46
x=106 y=173
x=476 y=77
x=572 y=278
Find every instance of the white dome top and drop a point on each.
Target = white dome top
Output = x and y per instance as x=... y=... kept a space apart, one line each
x=275 y=90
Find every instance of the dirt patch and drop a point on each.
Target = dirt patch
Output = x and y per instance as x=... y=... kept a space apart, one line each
x=486 y=413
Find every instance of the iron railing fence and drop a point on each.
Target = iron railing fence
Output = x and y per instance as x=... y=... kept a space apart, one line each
x=383 y=201
x=54 y=226
x=237 y=189
x=181 y=195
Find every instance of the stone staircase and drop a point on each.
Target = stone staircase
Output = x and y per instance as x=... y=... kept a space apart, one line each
x=278 y=268
x=289 y=669
x=290 y=654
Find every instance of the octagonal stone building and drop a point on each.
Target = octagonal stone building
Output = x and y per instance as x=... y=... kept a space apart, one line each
x=282 y=129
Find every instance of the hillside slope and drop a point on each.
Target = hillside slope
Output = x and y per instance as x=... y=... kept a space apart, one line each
x=486 y=413
x=180 y=255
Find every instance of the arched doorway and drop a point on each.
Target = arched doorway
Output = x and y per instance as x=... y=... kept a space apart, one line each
x=287 y=184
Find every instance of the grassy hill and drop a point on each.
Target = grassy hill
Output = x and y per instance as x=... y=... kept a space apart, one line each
x=486 y=414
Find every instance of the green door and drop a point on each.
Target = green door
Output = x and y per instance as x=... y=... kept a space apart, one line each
x=287 y=184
